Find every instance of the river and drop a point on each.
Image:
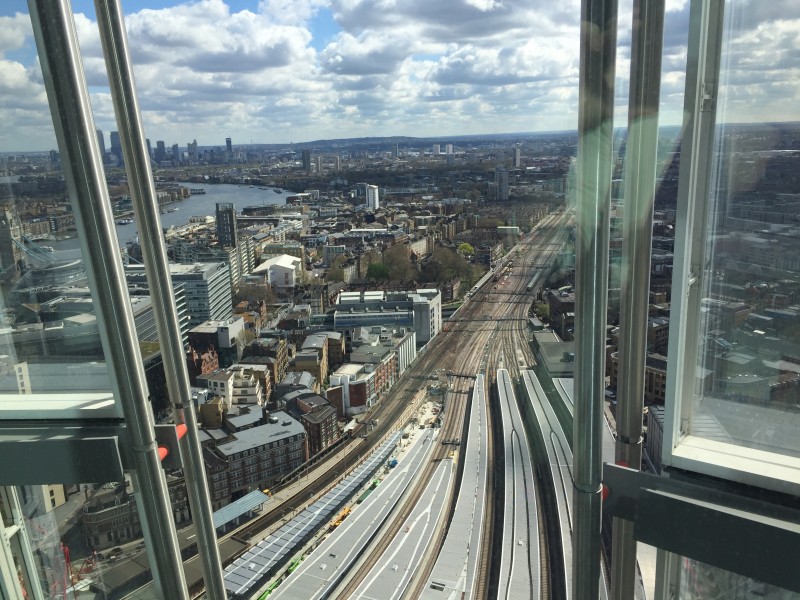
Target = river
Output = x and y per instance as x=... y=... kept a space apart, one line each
x=195 y=205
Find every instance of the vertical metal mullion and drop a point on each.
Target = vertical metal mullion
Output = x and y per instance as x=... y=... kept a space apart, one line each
x=640 y=185
x=595 y=129
x=694 y=188
x=10 y=586
x=68 y=96
x=145 y=204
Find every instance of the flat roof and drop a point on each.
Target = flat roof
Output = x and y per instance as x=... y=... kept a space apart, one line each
x=240 y=507
x=263 y=434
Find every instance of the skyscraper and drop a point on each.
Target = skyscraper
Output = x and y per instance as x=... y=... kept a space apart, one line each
x=226 y=224
x=191 y=150
x=307 y=161
x=161 y=151
x=501 y=182
x=437 y=149
x=176 y=154
x=517 y=157
x=319 y=164
x=373 y=198
x=448 y=149
x=116 y=147
x=101 y=141
x=228 y=146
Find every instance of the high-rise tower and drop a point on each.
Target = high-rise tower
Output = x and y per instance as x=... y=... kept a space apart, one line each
x=501 y=182
x=116 y=147
x=101 y=141
x=226 y=224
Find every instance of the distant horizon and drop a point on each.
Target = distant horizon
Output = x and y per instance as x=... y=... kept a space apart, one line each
x=428 y=139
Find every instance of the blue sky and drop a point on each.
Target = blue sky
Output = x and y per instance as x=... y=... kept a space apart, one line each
x=276 y=71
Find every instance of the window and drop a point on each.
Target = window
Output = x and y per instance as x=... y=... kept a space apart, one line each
x=734 y=367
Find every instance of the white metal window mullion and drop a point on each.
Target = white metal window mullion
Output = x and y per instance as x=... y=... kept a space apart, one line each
x=12 y=535
x=697 y=153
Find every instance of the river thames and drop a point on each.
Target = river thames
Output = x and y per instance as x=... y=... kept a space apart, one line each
x=183 y=210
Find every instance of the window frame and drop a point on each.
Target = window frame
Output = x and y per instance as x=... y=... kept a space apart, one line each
x=681 y=449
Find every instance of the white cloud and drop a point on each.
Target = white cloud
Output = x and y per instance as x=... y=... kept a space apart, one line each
x=209 y=69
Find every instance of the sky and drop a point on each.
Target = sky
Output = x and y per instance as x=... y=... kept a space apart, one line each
x=280 y=71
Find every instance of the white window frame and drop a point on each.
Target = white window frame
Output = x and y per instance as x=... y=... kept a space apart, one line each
x=681 y=449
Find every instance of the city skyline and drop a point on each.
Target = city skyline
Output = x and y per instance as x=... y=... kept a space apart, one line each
x=280 y=72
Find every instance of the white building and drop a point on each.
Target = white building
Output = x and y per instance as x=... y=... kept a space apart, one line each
x=419 y=310
x=207 y=288
x=373 y=199
x=283 y=272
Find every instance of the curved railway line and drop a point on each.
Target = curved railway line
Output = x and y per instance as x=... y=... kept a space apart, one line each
x=519 y=564
x=453 y=421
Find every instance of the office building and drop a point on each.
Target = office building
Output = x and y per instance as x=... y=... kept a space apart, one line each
x=206 y=288
x=116 y=148
x=101 y=141
x=420 y=309
x=161 y=152
x=191 y=151
x=437 y=149
x=306 y=154
x=228 y=146
x=226 y=224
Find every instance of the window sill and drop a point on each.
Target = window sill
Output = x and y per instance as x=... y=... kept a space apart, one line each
x=57 y=406
x=767 y=470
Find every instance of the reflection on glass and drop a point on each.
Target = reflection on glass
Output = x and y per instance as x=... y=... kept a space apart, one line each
x=87 y=539
x=699 y=581
x=748 y=379
x=49 y=336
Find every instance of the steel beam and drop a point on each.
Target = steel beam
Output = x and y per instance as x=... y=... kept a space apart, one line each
x=145 y=205
x=595 y=129
x=68 y=95
x=640 y=186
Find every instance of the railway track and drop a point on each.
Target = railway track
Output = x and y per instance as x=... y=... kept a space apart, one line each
x=452 y=427
x=492 y=325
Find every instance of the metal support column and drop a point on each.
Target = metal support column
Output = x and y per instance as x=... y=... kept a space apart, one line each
x=62 y=69
x=640 y=185
x=145 y=205
x=595 y=129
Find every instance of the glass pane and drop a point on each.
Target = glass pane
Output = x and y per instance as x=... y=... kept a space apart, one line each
x=699 y=581
x=748 y=380
x=51 y=354
x=87 y=539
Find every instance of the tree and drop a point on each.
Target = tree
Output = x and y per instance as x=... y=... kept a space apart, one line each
x=398 y=260
x=465 y=249
x=543 y=311
x=252 y=292
x=335 y=274
x=378 y=271
x=336 y=271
